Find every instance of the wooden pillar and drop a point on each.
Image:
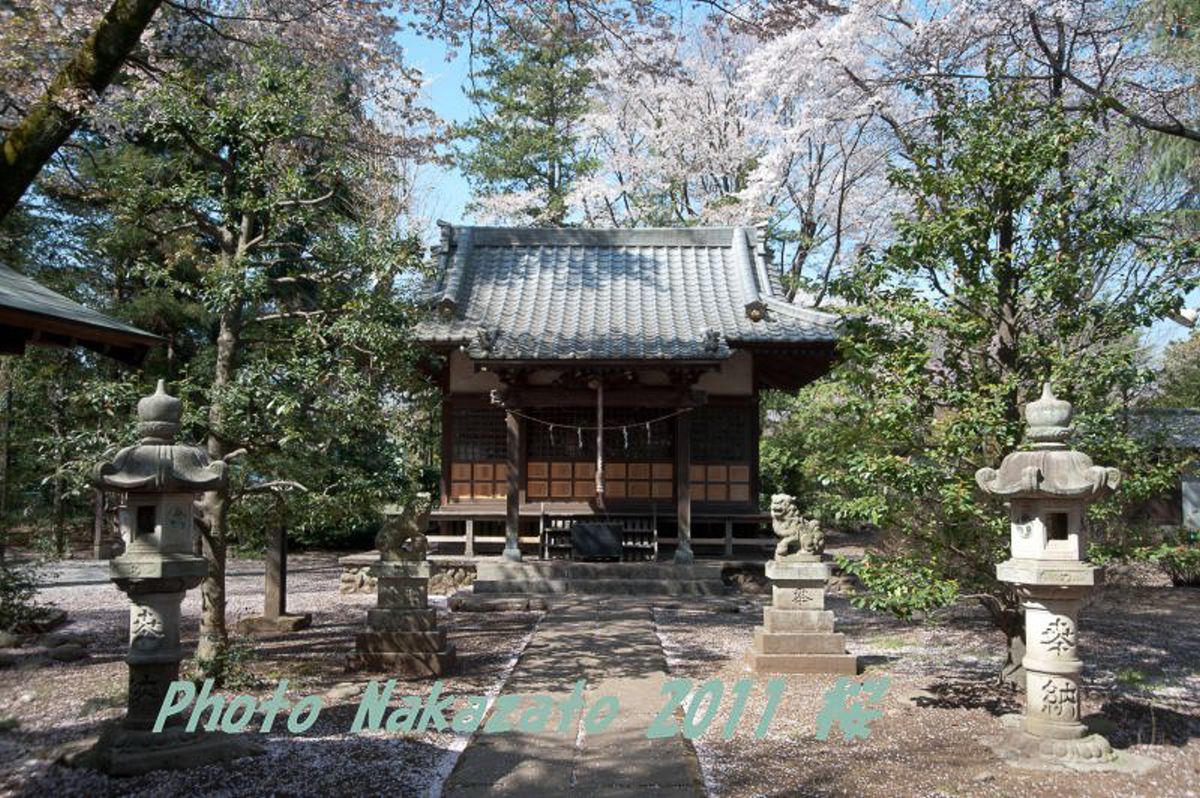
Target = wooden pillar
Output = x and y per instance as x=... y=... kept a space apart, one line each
x=729 y=537
x=447 y=451
x=512 y=526
x=683 y=489
x=275 y=602
x=97 y=522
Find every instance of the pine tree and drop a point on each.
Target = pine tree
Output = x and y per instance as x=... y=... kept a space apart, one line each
x=524 y=154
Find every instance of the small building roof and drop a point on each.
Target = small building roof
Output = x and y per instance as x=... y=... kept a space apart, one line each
x=1175 y=427
x=511 y=294
x=30 y=313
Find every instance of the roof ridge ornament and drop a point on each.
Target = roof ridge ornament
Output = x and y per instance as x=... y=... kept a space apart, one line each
x=486 y=337
x=712 y=340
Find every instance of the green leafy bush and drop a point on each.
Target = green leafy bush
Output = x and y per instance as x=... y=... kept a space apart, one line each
x=18 y=587
x=1179 y=557
x=229 y=668
x=898 y=584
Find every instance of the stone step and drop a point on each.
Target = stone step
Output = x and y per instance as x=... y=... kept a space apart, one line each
x=844 y=664
x=799 y=642
x=561 y=569
x=609 y=587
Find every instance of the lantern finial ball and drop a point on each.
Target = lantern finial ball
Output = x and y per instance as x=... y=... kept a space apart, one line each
x=1048 y=420
x=158 y=415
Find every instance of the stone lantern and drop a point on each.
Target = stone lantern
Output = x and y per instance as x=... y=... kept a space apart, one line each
x=1049 y=487
x=160 y=480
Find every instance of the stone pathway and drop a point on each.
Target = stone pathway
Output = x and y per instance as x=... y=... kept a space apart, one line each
x=612 y=644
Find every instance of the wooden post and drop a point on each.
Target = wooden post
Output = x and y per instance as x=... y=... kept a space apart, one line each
x=275 y=601
x=447 y=452
x=97 y=522
x=729 y=537
x=275 y=618
x=683 y=489
x=512 y=526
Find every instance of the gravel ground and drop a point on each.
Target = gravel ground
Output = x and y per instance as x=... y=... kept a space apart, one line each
x=1141 y=646
x=1141 y=643
x=60 y=703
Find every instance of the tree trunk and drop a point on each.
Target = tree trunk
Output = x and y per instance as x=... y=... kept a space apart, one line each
x=213 y=634
x=1010 y=620
x=52 y=120
x=1007 y=333
x=59 y=428
x=5 y=413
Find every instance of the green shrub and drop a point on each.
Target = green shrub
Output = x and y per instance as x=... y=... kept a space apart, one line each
x=898 y=584
x=18 y=587
x=1179 y=557
x=229 y=668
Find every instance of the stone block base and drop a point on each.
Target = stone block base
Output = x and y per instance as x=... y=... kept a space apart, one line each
x=124 y=752
x=384 y=620
x=781 y=621
x=402 y=593
x=282 y=624
x=377 y=641
x=1025 y=751
x=799 y=642
x=842 y=664
x=418 y=663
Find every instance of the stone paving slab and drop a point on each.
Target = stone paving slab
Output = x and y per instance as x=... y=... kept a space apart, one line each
x=612 y=644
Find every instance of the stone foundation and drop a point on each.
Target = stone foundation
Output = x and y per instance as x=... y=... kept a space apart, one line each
x=797 y=633
x=262 y=625
x=402 y=634
x=130 y=752
x=445 y=578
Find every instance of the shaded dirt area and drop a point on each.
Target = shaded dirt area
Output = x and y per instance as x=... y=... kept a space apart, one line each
x=58 y=703
x=1141 y=646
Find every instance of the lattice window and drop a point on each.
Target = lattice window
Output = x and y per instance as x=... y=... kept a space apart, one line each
x=563 y=441
x=722 y=434
x=478 y=435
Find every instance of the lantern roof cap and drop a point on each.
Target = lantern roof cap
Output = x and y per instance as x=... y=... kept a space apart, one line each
x=157 y=464
x=1048 y=468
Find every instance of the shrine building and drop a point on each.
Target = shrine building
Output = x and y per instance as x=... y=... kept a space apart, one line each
x=609 y=379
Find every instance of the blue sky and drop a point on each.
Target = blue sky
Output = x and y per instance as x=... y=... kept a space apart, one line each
x=449 y=193
x=444 y=82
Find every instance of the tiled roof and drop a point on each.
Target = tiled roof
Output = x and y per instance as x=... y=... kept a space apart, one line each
x=557 y=294
x=40 y=315
x=1176 y=427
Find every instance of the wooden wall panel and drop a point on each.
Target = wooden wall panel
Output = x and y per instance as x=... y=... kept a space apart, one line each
x=721 y=482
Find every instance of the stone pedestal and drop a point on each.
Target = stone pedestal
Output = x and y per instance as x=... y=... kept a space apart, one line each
x=402 y=633
x=797 y=633
x=1052 y=593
